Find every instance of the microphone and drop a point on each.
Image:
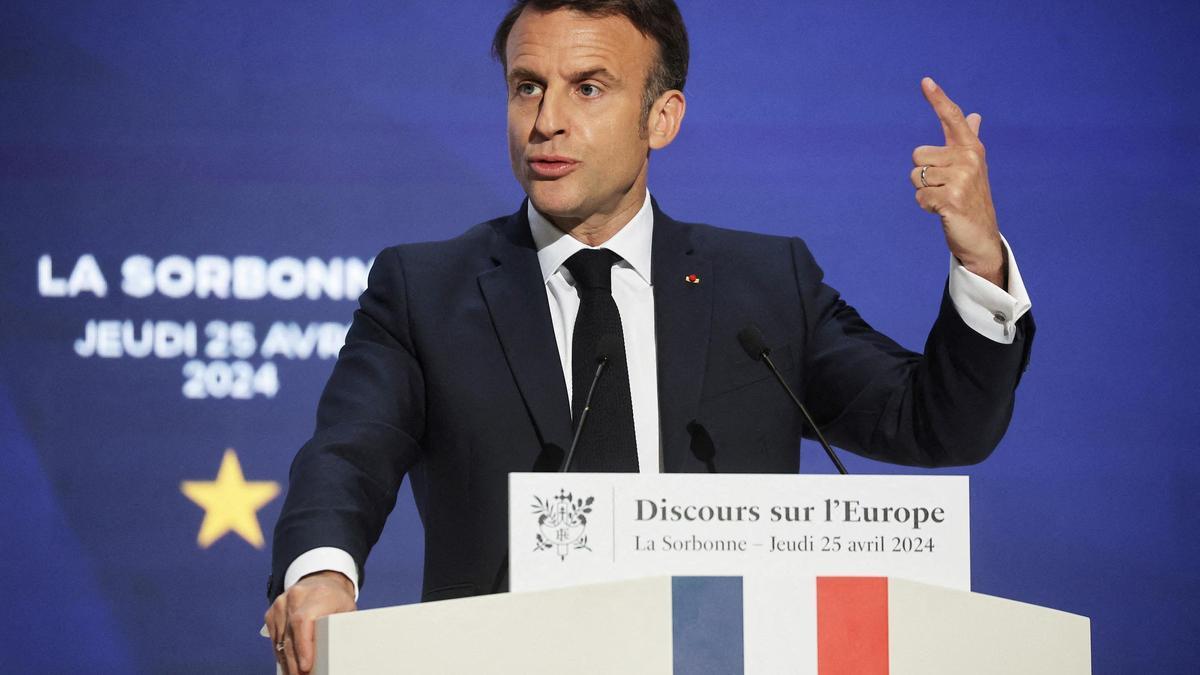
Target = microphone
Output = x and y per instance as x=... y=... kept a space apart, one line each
x=607 y=344
x=751 y=339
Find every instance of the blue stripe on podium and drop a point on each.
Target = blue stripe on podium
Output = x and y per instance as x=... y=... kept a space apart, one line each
x=707 y=625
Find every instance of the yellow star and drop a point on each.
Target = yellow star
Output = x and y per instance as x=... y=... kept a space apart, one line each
x=230 y=502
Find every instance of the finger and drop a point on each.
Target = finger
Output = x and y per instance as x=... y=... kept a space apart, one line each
x=289 y=663
x=928 y=85
x=289 y=648
x=954 y=125
x=305 y=648
x=974 y=120
x=934 y=177
x=932 y=199
x=932 y=155
x=281 y=661
x=273 y=632
x=276 y=620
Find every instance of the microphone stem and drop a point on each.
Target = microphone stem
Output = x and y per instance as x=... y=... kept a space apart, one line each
x=587 y=405
x=808 y=418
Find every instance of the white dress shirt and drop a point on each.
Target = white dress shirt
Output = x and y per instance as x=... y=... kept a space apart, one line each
x=634 y=296
x=983 y=306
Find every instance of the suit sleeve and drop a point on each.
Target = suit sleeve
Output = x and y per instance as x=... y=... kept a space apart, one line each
x=949 y=406
x=343 y=481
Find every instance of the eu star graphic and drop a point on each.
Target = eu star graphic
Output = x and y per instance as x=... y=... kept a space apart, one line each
x=230 y=502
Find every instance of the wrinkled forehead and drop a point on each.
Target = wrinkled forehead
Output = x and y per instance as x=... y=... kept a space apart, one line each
x=565 y=41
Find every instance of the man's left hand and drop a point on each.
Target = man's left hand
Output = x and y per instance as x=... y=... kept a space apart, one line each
x=955 y=187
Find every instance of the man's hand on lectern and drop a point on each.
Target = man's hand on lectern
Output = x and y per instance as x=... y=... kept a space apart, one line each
x=291 y=620
x=952 y=181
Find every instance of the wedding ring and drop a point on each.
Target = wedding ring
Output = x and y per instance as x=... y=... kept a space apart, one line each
x=279 y=646
x=923 y=170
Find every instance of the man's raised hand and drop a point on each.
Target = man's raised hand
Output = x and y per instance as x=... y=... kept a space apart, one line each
x=952 y=181
x=291 y=619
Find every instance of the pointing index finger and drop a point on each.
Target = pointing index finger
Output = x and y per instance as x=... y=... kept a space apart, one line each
x=954 y=125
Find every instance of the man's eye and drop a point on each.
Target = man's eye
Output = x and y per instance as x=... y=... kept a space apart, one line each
x=589 y=90
x=527 y=89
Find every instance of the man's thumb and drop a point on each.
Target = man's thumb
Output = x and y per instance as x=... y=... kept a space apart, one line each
x=974 y=120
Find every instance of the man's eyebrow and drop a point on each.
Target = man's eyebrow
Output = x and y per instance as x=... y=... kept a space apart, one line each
x=590 y=73
x=519 y=74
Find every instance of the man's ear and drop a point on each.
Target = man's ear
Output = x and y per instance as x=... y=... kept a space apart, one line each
x=666 y=116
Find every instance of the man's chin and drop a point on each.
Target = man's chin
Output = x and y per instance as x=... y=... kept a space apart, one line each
x=553 y=204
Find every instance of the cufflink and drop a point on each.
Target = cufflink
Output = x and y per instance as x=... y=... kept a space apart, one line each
x=1001 y=319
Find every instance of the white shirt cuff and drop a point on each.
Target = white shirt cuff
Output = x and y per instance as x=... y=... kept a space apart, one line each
x=986 y=307
x=323 y=559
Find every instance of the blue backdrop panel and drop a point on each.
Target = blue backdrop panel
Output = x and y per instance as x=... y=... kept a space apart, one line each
x=248 y=152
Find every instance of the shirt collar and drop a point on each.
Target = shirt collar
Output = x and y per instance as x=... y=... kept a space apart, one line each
x=632 y=242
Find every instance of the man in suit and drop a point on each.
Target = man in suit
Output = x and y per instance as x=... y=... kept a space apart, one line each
x=468 y=359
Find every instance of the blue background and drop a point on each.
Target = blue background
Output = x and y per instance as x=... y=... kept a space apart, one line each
x=307 y=129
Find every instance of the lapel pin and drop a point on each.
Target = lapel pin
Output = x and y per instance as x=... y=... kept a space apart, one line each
x=692 y=279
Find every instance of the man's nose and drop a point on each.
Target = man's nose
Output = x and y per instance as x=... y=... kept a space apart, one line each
x=552 y=114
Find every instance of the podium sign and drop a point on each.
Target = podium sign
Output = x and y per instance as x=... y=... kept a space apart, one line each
x=778 y=532
x=568 y=529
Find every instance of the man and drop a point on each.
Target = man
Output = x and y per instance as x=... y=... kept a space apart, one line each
x=468 y=359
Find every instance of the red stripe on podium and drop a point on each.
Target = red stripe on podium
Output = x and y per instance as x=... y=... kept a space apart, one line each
x=852 y=626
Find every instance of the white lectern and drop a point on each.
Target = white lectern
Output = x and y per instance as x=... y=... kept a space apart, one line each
x=693 y=625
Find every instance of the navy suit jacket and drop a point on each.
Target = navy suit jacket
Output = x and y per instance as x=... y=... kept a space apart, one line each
x=450 y=375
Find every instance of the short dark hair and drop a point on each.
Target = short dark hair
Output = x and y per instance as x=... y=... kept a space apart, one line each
x=658 y=20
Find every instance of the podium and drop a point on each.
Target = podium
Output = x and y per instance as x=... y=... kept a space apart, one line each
x=740 y=574
x=693 y=626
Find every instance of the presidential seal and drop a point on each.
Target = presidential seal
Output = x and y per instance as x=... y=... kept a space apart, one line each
x=562 y=523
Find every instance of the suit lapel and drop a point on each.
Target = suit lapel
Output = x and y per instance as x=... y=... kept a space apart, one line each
x=516 y=299
x=682 y=323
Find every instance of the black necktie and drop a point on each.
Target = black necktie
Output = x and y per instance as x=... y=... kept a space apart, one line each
x=607 y=442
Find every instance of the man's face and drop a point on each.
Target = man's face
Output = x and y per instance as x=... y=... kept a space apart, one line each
x=575 y=112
